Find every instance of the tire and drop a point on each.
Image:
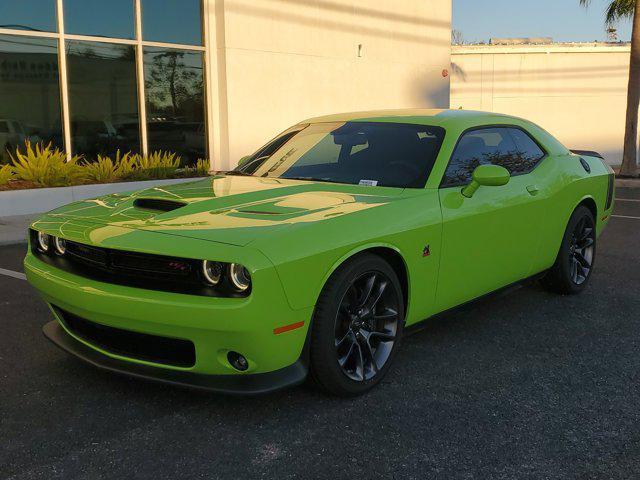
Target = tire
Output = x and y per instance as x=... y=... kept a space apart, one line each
x=572 y=269
x=355 y=337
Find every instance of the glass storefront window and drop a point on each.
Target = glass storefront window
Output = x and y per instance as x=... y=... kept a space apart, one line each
x=34 y=15
x=172 y=21
x=29 y=93
x=113 y=18
x=103 y=98
x=175 y=102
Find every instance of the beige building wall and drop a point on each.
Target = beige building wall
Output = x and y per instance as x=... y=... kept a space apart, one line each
x=575 y=91
x=272 y=63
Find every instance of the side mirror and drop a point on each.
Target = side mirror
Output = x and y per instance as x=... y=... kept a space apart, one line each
x=244 y=160
x=487 y=175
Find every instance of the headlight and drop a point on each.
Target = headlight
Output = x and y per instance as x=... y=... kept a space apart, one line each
x=60 y=245
x=240 y=277
x=212 y=272
x=44 y=241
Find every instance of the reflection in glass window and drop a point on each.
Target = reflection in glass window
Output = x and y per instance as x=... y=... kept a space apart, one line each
x=29 y=92
x=99 y=18
x=510 y=148
x=370 y=153
x=103 y=98
x=34 y=15
x=172 y=21
x=175 y=102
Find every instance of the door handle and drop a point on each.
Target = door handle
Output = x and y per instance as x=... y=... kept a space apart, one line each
x=533 y=189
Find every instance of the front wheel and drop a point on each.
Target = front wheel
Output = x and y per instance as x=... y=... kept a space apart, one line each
x=357 y=326
x=572 y=269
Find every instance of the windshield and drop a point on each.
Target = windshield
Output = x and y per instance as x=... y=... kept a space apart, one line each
x=359 y=153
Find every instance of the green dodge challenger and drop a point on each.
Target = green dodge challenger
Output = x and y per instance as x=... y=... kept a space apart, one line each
x=315 y=254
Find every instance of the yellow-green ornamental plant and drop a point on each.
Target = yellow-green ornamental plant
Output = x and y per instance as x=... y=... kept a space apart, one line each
x=156 y=165
x=6 y=174
x=46 y=166
x=103 y=170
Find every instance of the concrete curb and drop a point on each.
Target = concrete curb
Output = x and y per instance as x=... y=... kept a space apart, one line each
x=40 y=200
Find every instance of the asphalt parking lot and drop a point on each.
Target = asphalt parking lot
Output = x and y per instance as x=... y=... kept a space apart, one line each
x=522 y=385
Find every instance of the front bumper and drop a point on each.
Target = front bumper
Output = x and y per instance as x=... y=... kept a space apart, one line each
x=215 y=326
x=252 y=384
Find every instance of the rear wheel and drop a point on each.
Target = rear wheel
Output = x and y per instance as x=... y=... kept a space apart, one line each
x=572 y=269
x=357 y=326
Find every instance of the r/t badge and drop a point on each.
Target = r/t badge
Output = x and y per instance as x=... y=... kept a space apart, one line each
x=426 y=251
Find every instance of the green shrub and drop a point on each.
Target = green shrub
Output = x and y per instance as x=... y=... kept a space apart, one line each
x=157 y=165
x=46 y=166
x=6 y=174
x=105 y=170
x=200 y=169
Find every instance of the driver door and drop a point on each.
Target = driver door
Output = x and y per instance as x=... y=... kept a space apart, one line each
x=489 y=240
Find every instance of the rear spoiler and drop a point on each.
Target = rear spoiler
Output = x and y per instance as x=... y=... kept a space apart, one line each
x=587 y=153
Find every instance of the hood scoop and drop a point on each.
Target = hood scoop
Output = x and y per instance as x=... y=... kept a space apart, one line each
x=158 y=204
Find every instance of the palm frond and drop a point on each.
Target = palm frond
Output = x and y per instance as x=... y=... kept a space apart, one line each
x=616 y=9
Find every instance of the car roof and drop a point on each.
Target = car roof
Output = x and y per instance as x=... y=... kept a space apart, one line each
x=437 y=117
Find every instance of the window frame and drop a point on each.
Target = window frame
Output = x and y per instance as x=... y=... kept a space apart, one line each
x=62 y=37
x=486 y=127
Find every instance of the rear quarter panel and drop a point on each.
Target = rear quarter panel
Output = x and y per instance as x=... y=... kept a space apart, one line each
x=564 y=184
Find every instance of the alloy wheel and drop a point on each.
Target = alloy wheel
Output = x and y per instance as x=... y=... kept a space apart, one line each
x=366 y=326
x=581 y=250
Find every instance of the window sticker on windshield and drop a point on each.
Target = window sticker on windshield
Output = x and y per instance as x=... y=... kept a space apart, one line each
x=368 y=183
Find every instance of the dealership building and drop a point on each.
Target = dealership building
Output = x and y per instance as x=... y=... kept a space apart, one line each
x=209 y=78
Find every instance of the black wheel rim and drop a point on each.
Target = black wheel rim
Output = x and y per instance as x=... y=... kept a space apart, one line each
x=581 y=250
x=366 y=326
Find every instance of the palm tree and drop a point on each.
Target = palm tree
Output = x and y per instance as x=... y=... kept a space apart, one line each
x=626 y=9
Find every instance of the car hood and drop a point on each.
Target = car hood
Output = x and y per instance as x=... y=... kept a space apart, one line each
x=228 y=209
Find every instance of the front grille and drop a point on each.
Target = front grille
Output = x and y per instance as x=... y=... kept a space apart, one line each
x=141 y=346
x=130 y=263
x=133 y=269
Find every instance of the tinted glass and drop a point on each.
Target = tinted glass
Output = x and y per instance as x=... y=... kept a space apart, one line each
x=35 y=15
x=366 y=153
x=175 y=102
x=511 y=148
x=113 y=18
x=103 y=98
x=259 y=157
x=526 y=147
x=172 y=21
x=29 y=92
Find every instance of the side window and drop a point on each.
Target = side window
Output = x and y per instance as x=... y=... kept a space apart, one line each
x=510 y=148
x=529 y=150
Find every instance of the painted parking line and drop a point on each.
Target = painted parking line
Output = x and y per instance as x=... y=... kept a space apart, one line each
x=11 y=273
x=625 y=216
x=627 y=199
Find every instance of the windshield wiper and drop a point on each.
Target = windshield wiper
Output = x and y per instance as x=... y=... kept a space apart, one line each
x=234 y=172
x=310 y=179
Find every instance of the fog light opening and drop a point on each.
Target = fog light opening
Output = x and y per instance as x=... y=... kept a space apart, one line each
x=237 y=361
